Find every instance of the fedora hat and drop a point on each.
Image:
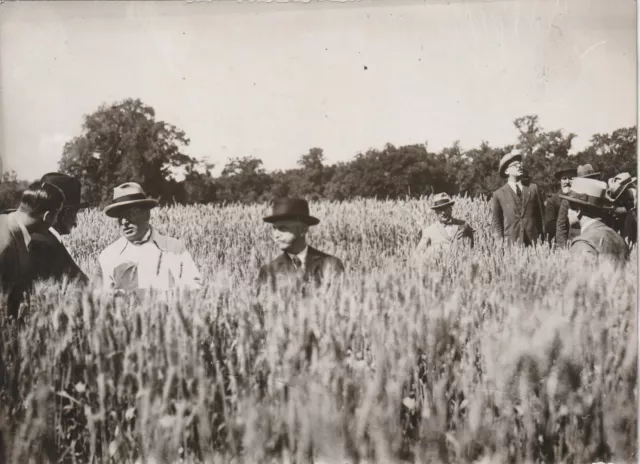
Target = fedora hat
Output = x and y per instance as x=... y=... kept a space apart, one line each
x=566 y=170
x=587 y=192
x=127 y=195
x=586 y=170
x=291 y=208
x=70 y=186
x=506 y=160
x=619 y=184
x=440 y=200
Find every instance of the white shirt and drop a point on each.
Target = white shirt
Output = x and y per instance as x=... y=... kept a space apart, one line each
x=160 y=263
x=302 y=256
x=513 y=186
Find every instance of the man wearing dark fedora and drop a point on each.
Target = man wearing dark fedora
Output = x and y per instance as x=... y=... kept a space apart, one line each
x=565 y=231
x=517 y=207
x=143 y=259
x=587 y=200
x=448 y=230
x=290 y=221
x=49 y=256
x=552 y=209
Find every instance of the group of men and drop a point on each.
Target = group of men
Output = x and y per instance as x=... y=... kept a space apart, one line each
x=594 y=218
x=32 y=250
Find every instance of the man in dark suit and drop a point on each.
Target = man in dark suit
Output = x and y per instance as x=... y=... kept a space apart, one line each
x=290 y=222
x=517 y=208
x=622 y=193
x=39 y=208
x=587 y=202
x=552 y=208
x=49 y=256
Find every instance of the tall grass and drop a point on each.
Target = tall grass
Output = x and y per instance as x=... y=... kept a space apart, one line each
x=497 y=354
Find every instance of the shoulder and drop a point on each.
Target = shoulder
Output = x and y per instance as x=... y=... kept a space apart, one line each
x=44 y=239
x=113 y=249
x=325 y=257
x=169 y=244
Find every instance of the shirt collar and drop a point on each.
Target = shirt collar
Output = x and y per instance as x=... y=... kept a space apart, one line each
x=302 y=256
x=55 y=234
x=150 y=236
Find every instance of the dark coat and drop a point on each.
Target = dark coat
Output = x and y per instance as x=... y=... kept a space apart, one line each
x=51 y=260
x=630 y=229
x=551 y=214
x=518 y=221
x=318 y=266
x=14 y=264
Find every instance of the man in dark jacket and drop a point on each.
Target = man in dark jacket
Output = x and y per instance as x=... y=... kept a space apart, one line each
x=565 y=231
x=517 y=208
x=552 y=208
x=49 y=256
x=39 y=207
x=623 y=195
x=290 y=222
x=587 y=200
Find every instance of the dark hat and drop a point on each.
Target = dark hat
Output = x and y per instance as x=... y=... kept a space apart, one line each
x=291 y=208
x=566 y=170
x=586 y=170
x=588 y=192
x=70 y=186
x=127 y=195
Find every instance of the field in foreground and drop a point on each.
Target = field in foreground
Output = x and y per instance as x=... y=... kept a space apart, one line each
x=491 y=354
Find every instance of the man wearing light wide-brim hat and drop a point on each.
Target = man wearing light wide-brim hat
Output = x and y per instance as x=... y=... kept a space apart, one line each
x=587 y=203
x=290 y=221
x=517 y=208
x=142 y=258
x=447 y=230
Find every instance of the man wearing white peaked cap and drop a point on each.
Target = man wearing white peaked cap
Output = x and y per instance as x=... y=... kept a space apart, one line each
x=142 y=258
x=587 y=202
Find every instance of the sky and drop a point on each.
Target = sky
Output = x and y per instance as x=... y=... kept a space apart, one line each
x=272 y=79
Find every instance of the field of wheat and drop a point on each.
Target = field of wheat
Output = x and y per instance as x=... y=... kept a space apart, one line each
x=493 y=354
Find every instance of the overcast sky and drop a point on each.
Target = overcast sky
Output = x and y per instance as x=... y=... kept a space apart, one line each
x=273 y=80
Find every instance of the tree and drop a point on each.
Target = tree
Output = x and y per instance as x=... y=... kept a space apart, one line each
x=612 y=153
x=124 y=142
x=243 y=180
x=11 y=189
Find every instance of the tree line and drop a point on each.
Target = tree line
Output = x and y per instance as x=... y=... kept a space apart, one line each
x=124 y=141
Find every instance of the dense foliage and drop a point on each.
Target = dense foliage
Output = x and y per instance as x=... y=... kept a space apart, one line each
x=496 y=354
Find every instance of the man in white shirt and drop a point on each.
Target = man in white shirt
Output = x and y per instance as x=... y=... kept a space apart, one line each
x=143 y=259
x=517 y=208
x=447 y=230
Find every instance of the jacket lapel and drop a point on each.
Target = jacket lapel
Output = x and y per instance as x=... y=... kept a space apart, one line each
x=526 y=192
x=511 y=195
x=314 y=259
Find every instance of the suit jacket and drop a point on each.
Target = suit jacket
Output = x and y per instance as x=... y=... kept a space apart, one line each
x=630 y=229
x=598 y=240
x=51 y=260
x=438 y=235
x=519 y=221
x=318 y=266
x=551 y=212
x=565 y=232
x=14 y=264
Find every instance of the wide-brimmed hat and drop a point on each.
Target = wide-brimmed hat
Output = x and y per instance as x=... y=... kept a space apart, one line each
x=587 y=171
x=127 y=195
x=620 y=183
x=587 y=192
x=291 y=208
x=440 y=200
x=70 y=186
x=566 y=170
x=506 y=160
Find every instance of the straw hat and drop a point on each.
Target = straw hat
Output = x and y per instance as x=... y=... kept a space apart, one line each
x=506 y=160
x=587 y=192
x=587 y=171
x=128 y=195
x=619 y=184
x=440 y=200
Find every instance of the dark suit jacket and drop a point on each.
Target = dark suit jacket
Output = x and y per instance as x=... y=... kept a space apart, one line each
x=14 y=264
x=318 y=266
x=50 y=259
x=515 y=220
x=564 y=231
x=551 y=211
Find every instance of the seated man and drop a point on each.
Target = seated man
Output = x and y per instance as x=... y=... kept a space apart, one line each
x=143 y=259
x=587 y=203
x=290 y=223
x=447 y=230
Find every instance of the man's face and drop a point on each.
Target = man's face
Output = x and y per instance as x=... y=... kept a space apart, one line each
x=565 y=184
x=573 y=214
x=444 y=214
x=514 y=169
x=67 y=220
x=286 y=233
x=134 y=222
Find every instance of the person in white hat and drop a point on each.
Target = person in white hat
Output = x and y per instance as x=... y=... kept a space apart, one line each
x=448 y=229
x=517 y=208
x=623 y=194
x=587 y=203
x=142 y=258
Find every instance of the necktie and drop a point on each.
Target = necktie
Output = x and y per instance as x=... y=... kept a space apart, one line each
x=518 y=191
x=296 y=262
